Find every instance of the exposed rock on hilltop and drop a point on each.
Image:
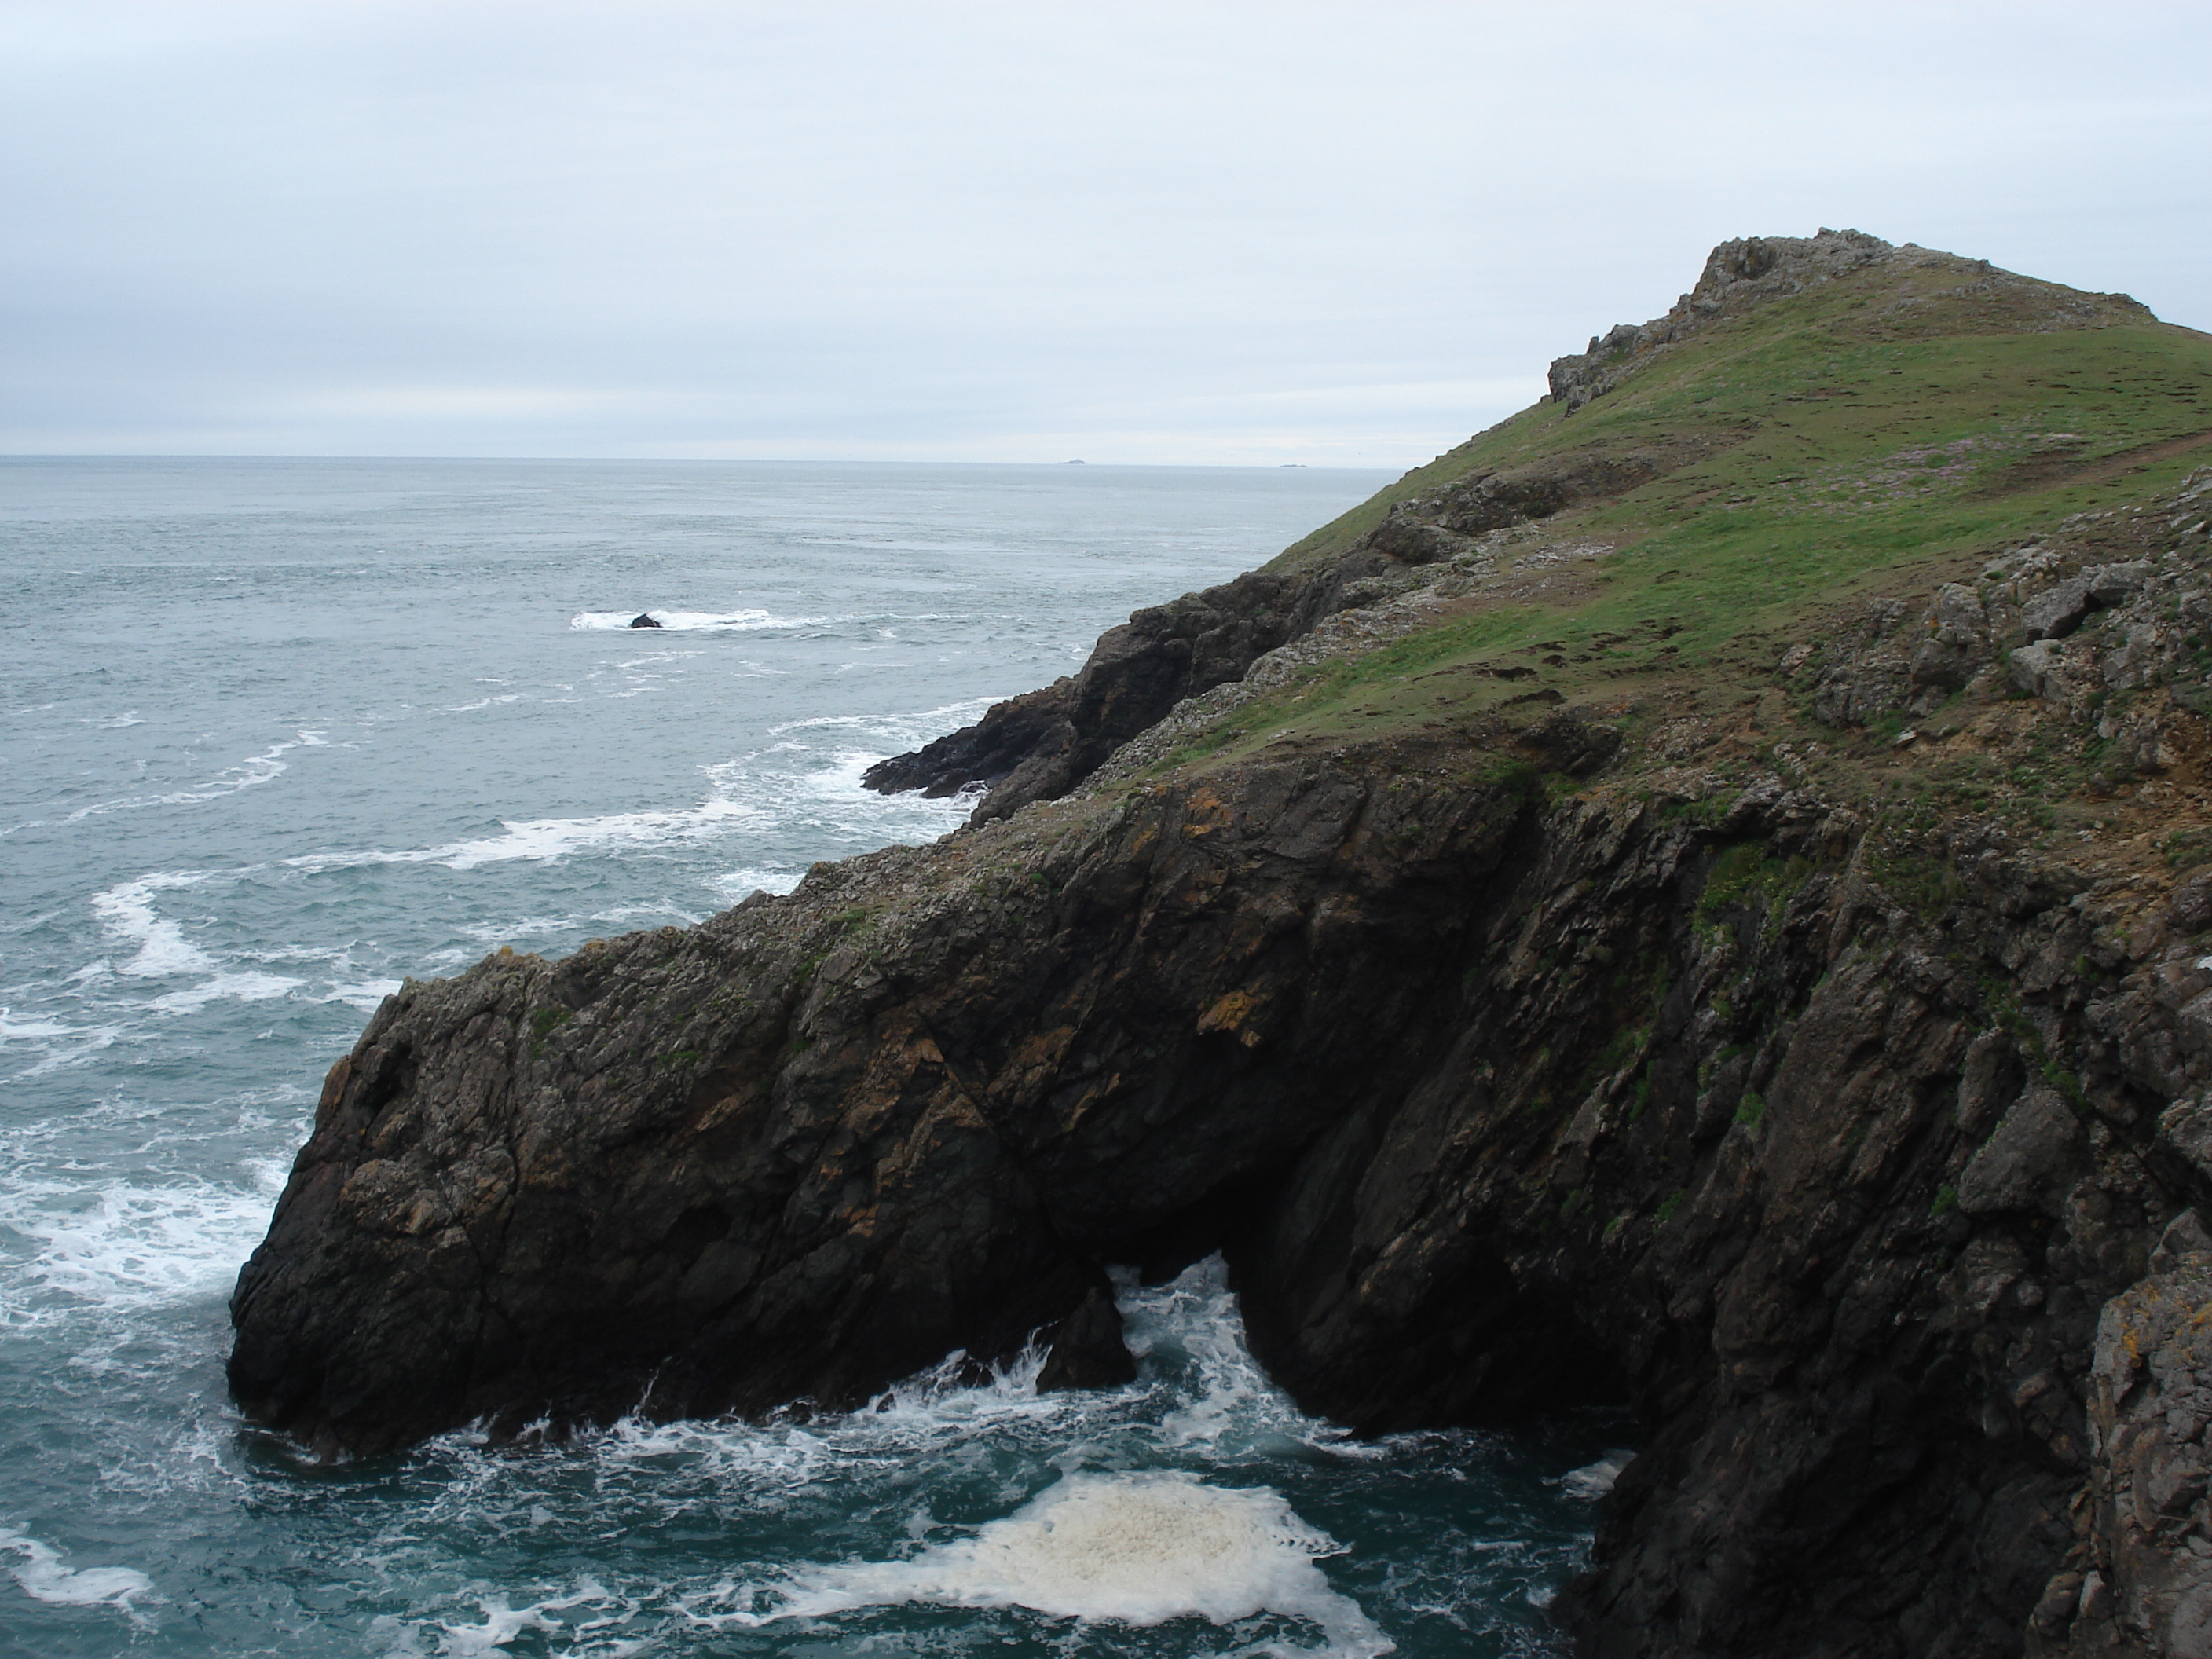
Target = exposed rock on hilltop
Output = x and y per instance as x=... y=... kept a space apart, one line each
x=1702 y=903
x=1039 y=746
x=1738 y=276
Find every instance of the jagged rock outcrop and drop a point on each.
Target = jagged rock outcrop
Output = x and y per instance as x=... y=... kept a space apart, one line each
x=1755 y=271
x=2138 y=1581
x=1040 y=745
x=2110 y=644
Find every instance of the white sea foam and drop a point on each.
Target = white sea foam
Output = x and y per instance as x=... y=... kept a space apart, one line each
x=117 y=1245
x=481 y=702
x=253 y=770
x=541 y=839
x=126 y=911
x=910 y=728
x=25 y=1030
x=820 y=792
x=1230 y=1405
x=239 y=988
x=503 y=1623
x=44 y=1577
x=737 y=884
x=56 y=1043
x=367 y=994
x=1131 y=1549
x=1595 y=1479
x=695 y=622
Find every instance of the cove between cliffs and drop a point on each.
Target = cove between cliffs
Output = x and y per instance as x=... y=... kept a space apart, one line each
x=1630 y=1007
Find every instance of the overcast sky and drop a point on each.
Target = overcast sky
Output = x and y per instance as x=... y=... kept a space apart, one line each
x=1333 y=233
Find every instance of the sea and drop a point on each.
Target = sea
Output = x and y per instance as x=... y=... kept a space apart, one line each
x=278 y=732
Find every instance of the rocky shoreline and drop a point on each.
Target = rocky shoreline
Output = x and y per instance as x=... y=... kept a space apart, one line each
x=1545 y=1044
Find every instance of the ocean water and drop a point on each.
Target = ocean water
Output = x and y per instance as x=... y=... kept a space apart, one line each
x=278 y=733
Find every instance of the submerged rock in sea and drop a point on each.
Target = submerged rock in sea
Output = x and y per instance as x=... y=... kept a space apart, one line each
x=644 y=619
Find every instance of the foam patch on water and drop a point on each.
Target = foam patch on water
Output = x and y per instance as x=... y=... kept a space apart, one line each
x=127 y=915
x=45 y=1578
x=117 y=1245
x=1130 y=1549
x=56 y=1043
x=250 y=773
x=737 y=884
x=819 y=792
x=504 y=1623
x=694 y=621
x=239 y=988
x=1229 y=1406
x=126 y=911
x=908 y=730
x=366 y=995
x=500 y=701
x=538 y=840
x=1595 y=1481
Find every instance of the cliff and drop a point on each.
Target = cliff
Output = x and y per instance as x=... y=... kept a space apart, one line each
x=1695 y=898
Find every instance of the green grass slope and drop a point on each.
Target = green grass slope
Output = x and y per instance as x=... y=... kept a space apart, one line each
x=1880 y=432
x=1876 y=434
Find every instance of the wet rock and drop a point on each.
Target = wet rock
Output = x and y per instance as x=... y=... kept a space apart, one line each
x=2031 y=1159
x=1310 y=1013
x=643 y=619
x=1085 y=1348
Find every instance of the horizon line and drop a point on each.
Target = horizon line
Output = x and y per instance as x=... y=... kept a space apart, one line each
x=689 y=460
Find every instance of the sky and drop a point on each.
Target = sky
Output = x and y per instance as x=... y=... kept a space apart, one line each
x=1199 y=232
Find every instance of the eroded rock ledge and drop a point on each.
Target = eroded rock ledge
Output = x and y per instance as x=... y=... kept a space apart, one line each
x=1836 y=1210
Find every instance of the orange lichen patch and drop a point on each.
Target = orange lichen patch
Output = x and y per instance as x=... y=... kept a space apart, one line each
x=1232 y=1013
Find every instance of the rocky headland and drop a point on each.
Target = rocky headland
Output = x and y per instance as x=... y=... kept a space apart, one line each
x=1700 y=897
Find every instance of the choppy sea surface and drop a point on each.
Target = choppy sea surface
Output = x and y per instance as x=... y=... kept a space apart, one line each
x=274 y=734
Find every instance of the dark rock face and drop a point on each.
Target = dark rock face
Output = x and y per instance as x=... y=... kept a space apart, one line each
x=643 y=619
x=1039 y=746
x=1798 y=1187
x=1086 y=1349
x=782 y=1156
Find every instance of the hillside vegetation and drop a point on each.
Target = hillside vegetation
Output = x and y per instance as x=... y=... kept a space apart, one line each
x=1879 y=434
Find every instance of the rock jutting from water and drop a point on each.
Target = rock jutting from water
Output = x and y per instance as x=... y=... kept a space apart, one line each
x=1553 y=960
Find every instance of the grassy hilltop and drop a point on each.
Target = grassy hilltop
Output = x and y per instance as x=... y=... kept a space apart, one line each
x=1876 y=434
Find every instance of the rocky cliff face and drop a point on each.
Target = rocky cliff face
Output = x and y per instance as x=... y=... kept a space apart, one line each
x=1754 y=1045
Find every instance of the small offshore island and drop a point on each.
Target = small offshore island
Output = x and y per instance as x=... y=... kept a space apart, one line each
x=1695 y=899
